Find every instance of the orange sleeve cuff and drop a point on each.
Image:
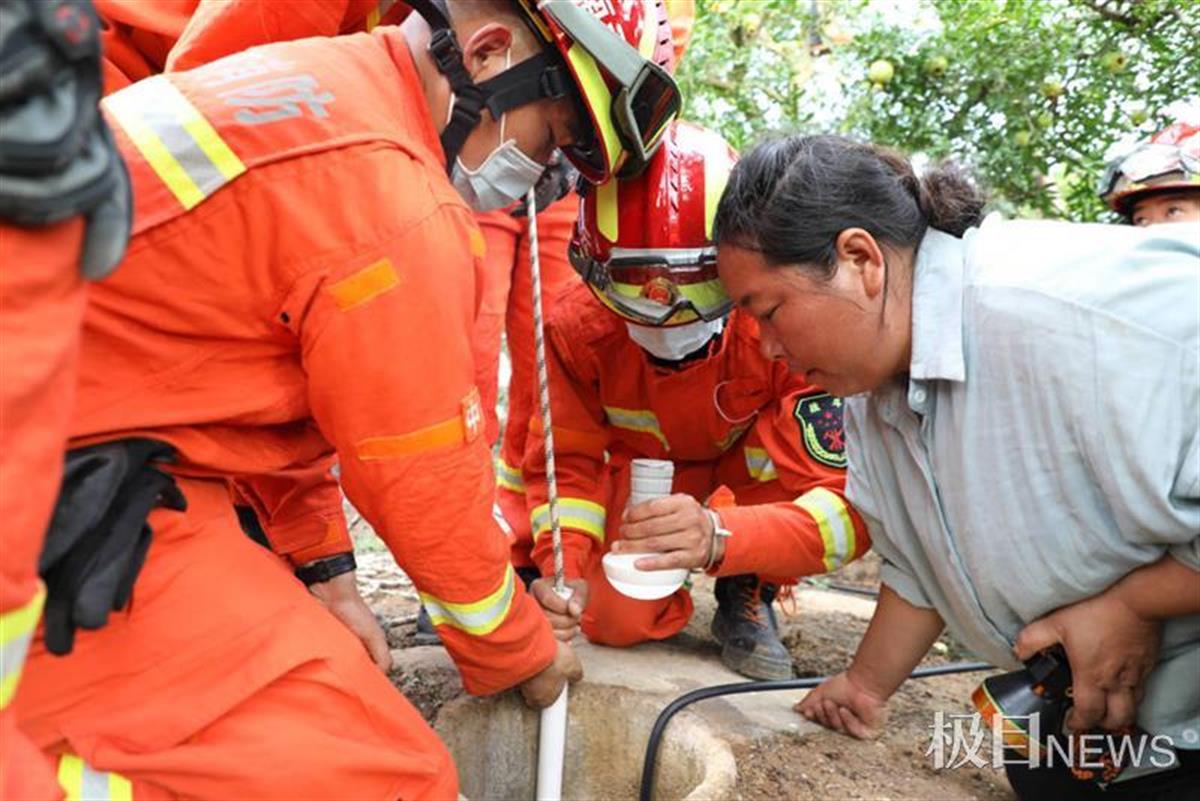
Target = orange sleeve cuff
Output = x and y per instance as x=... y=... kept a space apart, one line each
x=334 y=538
x=771 y=539
x=577 y=548
x=520 y=648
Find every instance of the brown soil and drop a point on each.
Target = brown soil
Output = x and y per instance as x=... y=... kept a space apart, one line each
x=828 y=765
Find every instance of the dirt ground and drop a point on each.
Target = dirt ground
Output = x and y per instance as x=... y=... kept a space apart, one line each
x=818 y=766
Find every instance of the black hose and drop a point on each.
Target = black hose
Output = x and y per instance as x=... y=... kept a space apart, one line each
x=738 y=688
x=846 y=588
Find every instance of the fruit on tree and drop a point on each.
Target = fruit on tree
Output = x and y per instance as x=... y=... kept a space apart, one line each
x=936 y=66
x=881 y=72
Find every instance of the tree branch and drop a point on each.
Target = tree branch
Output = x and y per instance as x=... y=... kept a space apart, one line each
x=1100 y=7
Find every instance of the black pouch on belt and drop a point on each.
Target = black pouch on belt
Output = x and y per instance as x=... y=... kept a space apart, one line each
x=99 y=536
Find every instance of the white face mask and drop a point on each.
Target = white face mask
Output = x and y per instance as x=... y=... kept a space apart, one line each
x=672 y=344
x=503 y=178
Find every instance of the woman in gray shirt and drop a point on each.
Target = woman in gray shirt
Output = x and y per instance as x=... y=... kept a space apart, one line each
x=1023 y=429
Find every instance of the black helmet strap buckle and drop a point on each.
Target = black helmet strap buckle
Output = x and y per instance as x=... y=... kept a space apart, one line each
x=541 y=76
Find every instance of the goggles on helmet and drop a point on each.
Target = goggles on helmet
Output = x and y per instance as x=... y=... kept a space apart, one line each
x=656 y=287
x=632 y=126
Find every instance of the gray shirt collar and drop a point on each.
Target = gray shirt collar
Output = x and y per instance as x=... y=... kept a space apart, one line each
x=937 y=309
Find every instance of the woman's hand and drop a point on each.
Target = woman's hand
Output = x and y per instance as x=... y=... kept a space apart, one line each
x=842 y=705
x=676 y=528
x=1111 y=650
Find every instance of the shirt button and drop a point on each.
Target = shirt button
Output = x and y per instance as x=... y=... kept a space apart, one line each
x=918 y=396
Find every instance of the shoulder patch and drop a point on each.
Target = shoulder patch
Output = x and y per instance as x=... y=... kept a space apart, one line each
x=820 y=419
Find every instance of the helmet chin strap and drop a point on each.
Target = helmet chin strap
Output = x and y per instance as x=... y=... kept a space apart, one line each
x=541 y=76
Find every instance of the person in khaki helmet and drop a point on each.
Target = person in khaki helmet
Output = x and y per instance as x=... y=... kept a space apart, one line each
x=1158 y=180
x=301 y=280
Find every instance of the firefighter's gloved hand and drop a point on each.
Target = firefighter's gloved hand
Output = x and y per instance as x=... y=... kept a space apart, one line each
x=58 y=159
x=99 y=537
x=558 y=179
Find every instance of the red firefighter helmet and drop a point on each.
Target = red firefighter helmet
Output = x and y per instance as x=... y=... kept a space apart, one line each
x=644 y=245
x=624 y=81
x=612 y=56
x=1168 y=160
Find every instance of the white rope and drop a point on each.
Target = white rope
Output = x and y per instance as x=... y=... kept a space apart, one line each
x=539 y=346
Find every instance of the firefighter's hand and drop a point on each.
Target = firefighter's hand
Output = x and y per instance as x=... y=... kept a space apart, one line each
x=563 y=613
x=1111 y=650
x=340 y=596
x=676 y=529
x=543 y=689
x=842 y=705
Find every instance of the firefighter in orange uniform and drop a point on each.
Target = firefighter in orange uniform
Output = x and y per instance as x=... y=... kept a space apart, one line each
x=64 y=218
x=145 y=38
x=508 y=255
x=301 y=280
x=182 y=34
x=646 y=360
x=297 y=511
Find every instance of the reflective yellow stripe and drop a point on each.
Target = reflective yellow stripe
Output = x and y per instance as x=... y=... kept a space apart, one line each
x=376 y=13
x=607 y=219
x=184 y=150
x=156 y=154
x=833 y=519
x=80 y=782
x=16 y=632
x=70 y=776
x=649 y=29
x=509 y=477
x=597 y=96
x=716 y=174
x=479 y=618
x=119 y=788
x=641 y=420
x=759 y=464
x=573 y=513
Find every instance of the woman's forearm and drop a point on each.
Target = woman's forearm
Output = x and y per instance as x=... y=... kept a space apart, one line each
x=1168 y=588
x=899 y=635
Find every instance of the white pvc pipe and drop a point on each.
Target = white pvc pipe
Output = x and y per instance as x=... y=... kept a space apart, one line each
x=552 y=734
x=552 y=747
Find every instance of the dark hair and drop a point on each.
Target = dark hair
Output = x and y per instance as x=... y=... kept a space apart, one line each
x=789 y=198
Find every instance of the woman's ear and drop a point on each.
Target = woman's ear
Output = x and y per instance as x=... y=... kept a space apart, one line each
x=483 y=52
x=861 y=259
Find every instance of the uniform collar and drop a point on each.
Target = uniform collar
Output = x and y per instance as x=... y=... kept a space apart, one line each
x=410 y=83
x=937 y=309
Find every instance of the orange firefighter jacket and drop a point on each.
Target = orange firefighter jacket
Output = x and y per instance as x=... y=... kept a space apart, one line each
x=41 y=307
x=299 y=508
x=279 y=301
x=144 y=38
x=723 y=421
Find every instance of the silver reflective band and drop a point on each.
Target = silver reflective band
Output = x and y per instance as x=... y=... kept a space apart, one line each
x=479 y=618
x=833 y=520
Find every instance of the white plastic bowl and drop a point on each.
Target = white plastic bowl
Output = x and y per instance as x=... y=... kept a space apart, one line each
x=644 y=585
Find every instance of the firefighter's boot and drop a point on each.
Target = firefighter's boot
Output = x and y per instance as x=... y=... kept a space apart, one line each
x=426 y=634
x=746 y=628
